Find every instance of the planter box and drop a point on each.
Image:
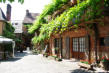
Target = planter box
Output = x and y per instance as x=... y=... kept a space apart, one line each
x=87 y=66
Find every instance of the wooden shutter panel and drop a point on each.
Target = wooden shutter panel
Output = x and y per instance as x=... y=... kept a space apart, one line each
x=67 y=42
x=67 y=47
x=87 y=42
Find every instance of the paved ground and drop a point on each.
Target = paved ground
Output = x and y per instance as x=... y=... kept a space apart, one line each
x=28 y=63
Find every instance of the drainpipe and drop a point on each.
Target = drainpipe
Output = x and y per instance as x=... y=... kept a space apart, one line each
x=88 y=47
x=61 y=45
x=13 y=45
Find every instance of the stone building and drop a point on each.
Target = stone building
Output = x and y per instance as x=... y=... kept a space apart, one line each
x=28 y=22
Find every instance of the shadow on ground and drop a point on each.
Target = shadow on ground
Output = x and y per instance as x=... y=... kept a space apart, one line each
x=81 y=71
x=20 y=55
x=17 y=57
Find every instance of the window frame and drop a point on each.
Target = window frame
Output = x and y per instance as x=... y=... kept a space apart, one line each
x=78 y=44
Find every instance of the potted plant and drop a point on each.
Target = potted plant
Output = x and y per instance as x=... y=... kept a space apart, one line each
x=105 y=63
x=45 y=54
x=57 y=58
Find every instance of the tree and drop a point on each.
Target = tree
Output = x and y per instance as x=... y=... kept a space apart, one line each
x=21 y=1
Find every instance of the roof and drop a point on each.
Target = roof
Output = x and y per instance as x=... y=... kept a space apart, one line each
x=2 y=15
x=30 y=18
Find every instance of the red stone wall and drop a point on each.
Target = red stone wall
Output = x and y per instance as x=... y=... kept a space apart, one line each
x=103 y=32
x=81 y=32
x=70 y=33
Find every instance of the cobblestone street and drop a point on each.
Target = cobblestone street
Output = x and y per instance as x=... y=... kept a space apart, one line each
x=28 y=63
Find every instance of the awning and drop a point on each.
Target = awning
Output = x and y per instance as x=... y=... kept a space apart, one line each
x=4 y=40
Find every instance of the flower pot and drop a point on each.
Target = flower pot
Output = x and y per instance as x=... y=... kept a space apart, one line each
x=83 y=65
x=105 y=65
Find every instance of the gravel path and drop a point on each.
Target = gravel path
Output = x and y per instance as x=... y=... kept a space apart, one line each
x=28 y=63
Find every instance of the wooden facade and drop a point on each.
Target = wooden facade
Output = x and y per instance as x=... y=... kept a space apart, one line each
x=79 y=43
x=2 y=24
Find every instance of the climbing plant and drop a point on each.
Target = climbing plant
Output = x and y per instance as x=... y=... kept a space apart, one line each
x=48 y=10
x=60 y=23
x=27 y=25
x=8 y=31
x=106 y=3
x=21 y=1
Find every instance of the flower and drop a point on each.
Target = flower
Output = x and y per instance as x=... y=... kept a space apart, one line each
x=104 y=59
x=108 y=59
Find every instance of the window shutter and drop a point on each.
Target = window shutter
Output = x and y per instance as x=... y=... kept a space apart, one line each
x=87 y=42
x=67 y=42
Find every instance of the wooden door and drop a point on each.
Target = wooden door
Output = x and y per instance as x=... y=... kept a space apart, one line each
x=79 y=48
x=58 y=44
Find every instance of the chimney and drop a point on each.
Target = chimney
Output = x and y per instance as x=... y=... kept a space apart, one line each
x=8 y=13
x=27 y=13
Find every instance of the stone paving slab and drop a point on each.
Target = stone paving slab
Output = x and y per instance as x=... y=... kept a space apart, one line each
x=28 y=63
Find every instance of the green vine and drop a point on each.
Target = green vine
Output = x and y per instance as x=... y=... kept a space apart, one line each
x=106 y=3
x=28 y=26
x=48 y=10
x=8 y=31
x=74 y=14
x=21 y=1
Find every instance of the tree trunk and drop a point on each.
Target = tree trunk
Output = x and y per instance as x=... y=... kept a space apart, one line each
x=96 y=34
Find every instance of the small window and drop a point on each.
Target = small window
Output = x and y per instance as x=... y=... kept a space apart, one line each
x=16 y=23
x=102 y=41
x=12 y=23
x=106 y=41
x=57 y=43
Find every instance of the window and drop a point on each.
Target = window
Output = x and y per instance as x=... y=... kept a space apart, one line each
x=12 y=23
x=57 y=43
x=75 y=44
x=106 y=41
x=82 y=44
x=102 y=41
x=79 y=44
x=16 y=23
